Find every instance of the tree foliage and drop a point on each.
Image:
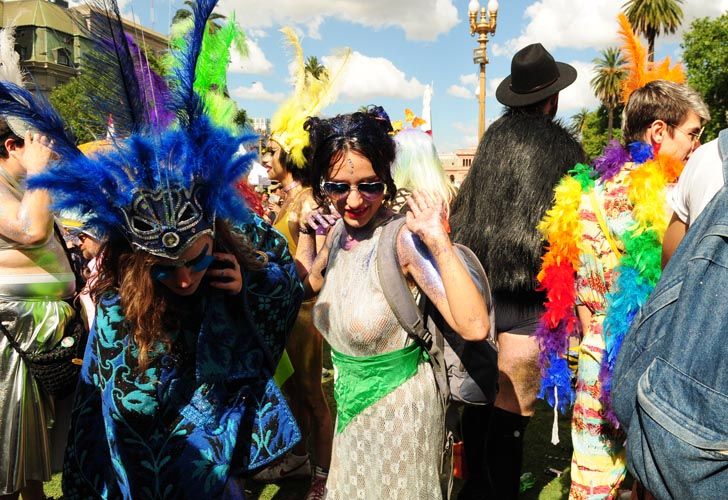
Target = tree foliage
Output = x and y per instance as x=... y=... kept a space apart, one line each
x=705 y=54
x=314 y=67
x=594 y=131
x=241 y=119
x=652 y=18
x=73 y=103
x=184 y=14
x=609 y=73
x=577 y=122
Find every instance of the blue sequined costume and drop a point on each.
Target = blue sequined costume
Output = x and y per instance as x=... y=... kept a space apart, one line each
x=206 y=411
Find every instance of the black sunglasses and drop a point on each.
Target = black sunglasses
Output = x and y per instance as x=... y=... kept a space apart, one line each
x=368 y=190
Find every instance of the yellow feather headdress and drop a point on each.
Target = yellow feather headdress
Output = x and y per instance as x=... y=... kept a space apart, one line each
x=639 y=70
x=310 y=95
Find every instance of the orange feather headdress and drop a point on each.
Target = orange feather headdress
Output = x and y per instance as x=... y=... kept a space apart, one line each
x=639 y=70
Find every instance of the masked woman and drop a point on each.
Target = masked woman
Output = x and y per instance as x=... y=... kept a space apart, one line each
x=176 y=397
x=388 y=436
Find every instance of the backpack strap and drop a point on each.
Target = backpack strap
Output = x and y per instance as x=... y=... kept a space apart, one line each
x=723 y=151
x=403 y=305
x=335 y=233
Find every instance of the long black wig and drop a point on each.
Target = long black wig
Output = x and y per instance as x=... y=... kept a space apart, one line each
x=519 y=161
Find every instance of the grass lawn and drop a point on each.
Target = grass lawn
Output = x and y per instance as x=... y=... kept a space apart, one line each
x=539 y=456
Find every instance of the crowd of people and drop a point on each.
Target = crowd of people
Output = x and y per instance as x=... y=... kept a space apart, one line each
x=207 y=304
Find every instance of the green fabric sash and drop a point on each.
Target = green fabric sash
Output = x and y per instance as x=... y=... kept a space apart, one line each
x=361 y=381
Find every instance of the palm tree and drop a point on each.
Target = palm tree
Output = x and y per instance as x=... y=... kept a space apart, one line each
x=576 y=127
x=183 y=14
x=607 y=82
x=314 y=67
x=652 y=18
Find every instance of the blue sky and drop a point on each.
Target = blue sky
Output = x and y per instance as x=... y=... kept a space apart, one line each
x=399 y=46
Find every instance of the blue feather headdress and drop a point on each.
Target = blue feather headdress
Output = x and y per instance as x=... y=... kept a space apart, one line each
x=158 y=189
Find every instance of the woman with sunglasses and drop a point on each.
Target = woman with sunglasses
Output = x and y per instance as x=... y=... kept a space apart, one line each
x=390 y=423
x=285 y=161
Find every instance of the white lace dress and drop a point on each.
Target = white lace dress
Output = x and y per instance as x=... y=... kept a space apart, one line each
x=392 y=449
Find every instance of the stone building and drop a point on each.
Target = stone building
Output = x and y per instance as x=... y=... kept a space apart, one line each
x=49 y=38
x=458 y=163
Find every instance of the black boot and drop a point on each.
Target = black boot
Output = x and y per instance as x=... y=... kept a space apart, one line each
x=474 y=425
x=504 y=452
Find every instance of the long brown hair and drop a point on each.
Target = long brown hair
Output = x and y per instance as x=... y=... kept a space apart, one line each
x=147 y=312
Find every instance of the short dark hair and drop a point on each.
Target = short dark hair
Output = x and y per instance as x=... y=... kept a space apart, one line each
x=535 y=108
x=364 y=132
x=5 y=134
x=660 y=100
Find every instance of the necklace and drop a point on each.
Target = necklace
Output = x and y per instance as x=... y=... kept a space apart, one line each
x=293 y=185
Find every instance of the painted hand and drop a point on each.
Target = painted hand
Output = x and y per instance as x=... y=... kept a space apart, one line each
x=225 y=273
x=318 y=222
x=427 y=218
x=36 y=154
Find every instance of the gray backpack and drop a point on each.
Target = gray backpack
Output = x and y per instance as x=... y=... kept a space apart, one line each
x=466 y=372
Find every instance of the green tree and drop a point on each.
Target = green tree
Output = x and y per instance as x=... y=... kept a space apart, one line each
x=577 y=122
x=652 y=18
x=607 y=82
x=184 y=14
x=241 y=119
x=705 y=54
x=73 y=103
x=314 y=67
x=594 y=132
x=156 y=63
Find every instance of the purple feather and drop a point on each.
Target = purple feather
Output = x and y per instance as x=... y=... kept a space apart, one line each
x=611 y=161
x=153 y=89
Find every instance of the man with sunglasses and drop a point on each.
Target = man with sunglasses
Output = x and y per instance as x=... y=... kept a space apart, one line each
x=604 y=239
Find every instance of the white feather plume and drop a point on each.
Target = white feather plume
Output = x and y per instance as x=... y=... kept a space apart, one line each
x=9 y=59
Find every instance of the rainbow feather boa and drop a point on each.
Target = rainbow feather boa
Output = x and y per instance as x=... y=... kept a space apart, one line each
x=635 y=275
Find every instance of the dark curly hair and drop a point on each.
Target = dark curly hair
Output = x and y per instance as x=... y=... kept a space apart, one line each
x=366 y=132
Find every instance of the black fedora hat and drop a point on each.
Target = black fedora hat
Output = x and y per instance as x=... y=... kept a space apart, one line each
x=534 y=76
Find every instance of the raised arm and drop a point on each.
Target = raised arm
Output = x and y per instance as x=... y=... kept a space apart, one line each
x=427 y=255
x=28 y=221
x=311 y=260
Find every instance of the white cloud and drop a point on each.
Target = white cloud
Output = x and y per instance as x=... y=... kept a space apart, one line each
x=460 y=91
x=257 y=92
x=366 y=77
x=419 y=19
x=468 y=87
x=468 y=134
x=693 y=9
x=566 y=24
x=255 y=64
x=579 y=94
x=493 y=85
x=588 y=24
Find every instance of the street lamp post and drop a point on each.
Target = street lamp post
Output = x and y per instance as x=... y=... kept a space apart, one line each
x=482 y=25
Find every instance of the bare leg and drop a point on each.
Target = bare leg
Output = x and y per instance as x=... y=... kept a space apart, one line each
x=519 y=373
x=514 y=406
x=304 y=391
